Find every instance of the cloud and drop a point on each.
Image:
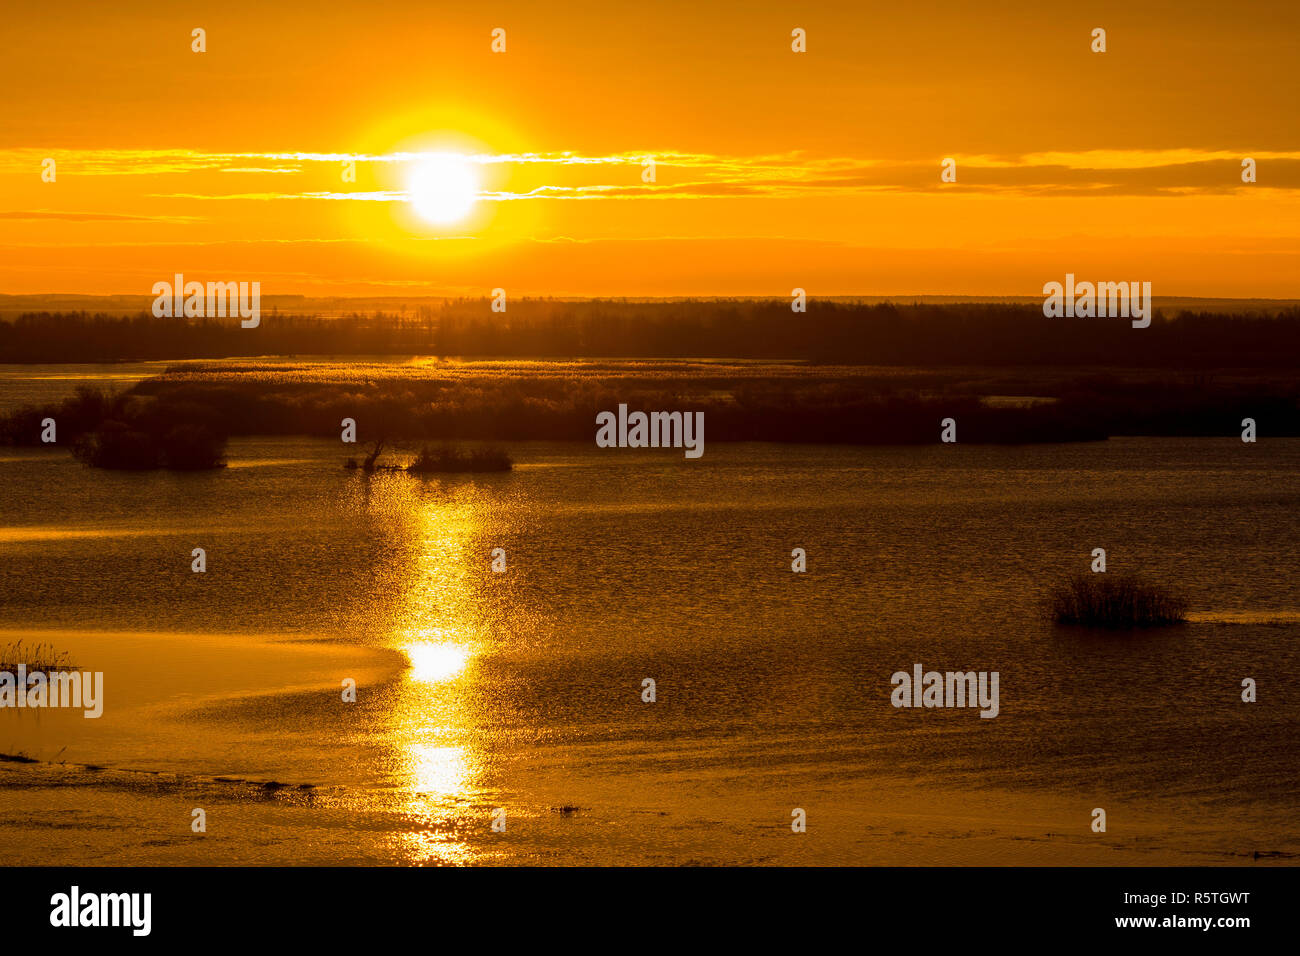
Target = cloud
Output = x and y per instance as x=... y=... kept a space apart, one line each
x=566 y=175
x=40 y=214
x=1125 y=159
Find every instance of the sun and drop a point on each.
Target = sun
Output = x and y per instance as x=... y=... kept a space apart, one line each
x=443 y=187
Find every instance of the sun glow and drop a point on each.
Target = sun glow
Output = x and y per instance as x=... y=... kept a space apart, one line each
x=432 y=663
x=443 y=188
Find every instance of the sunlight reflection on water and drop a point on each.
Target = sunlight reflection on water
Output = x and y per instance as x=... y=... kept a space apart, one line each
x=434 y=628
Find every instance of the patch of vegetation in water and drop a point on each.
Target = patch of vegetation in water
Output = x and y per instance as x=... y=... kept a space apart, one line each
x=451 y=460
x=118 y=446
x=125 y=431
x=1115 y=601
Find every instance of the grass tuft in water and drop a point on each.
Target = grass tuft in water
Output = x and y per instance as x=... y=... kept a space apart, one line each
x=38 y=658
x=1115 y=601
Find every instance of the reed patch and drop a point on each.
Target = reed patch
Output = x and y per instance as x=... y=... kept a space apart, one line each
x=1115 y=601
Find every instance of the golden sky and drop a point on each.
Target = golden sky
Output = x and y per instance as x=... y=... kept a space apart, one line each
x=773 y=169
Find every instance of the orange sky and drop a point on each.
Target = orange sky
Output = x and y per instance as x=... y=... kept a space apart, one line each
x=774 y=169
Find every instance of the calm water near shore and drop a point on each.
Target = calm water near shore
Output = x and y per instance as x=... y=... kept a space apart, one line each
x=522 y=690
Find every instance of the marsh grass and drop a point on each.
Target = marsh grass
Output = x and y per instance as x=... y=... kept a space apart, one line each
x=1115 y=601
x=451 y=460
x=40 y=658
x=160 y=421
x=438 y=402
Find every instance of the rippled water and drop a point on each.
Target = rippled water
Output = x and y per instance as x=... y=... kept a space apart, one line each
x=41 y=384
x=523 y=689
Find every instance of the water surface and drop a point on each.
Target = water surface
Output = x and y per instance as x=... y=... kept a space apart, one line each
x=522 y=690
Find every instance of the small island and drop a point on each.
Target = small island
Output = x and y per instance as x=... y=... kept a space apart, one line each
x=117 y=445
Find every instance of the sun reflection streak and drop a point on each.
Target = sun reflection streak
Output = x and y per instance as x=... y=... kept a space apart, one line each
x=438 y=626
x=439 y=770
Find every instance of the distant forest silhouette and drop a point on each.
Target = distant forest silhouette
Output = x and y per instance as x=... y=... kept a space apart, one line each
x=966 y=334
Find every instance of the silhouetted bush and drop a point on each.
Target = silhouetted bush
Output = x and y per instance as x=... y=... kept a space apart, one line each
x=74 y=417
x=118 y=446
x=193 y=448
x=1115 y=601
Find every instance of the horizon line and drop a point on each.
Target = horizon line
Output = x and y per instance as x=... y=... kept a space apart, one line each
x=605 y=297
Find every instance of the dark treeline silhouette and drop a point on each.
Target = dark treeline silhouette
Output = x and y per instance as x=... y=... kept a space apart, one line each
x=1071 y=379
x=829 y=332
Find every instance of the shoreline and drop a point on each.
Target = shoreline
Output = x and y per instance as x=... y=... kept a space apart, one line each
x=142 y=819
